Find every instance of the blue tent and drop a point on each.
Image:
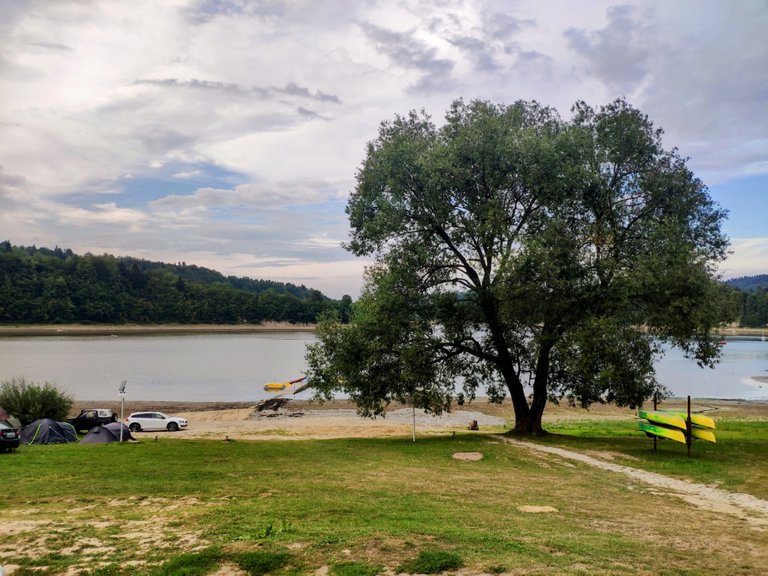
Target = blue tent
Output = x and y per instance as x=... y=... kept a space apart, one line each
x=47 y=431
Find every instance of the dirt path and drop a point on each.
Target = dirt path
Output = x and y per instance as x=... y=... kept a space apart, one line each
x=749 y=508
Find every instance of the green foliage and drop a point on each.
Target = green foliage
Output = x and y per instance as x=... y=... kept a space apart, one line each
x=356 y=569
x=754 y=308
x=432 y=562
x=515 y=251
x=29 y=401
x=38 y=285
x=262 y=561
x=190 y=564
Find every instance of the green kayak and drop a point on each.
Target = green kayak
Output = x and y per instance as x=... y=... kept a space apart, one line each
x=662 y=431
x=664 y=418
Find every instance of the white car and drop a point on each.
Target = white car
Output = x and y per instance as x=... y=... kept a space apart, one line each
x=145 y=421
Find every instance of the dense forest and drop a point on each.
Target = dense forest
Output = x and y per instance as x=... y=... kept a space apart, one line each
x=56 y=286
x=753 y=299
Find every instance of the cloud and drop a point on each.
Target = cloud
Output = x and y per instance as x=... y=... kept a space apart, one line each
x=696 y=70
x=406 y=51
x=262 y=197
x=747 y=258
x=618 y=54
x=290 y=89
x=213 y=108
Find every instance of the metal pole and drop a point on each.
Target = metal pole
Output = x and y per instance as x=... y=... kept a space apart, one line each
x=688 y=428
x=655 y=401
x=122 y=407
x=413 y=407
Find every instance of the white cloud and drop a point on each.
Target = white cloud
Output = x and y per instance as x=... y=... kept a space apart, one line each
x=164 y=129
x=747 y=258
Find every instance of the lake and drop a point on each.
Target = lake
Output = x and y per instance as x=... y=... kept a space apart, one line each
x=235 y=367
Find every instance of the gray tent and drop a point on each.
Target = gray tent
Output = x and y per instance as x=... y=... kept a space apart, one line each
x=47 y=431
x=106 y=434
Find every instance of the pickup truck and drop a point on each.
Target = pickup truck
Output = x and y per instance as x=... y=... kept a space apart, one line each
x=91 y=417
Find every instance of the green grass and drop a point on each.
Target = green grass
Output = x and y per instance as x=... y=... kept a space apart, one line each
x=432 y=562
x=737 y=462
x=362 y=506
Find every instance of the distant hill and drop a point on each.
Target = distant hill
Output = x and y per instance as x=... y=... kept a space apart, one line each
x=56 y=286
x=749 y=283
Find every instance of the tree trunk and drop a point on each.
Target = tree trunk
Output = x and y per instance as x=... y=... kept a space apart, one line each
x=528 y=418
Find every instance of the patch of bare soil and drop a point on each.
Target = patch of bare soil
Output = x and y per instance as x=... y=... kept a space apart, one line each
x=109 y=536
x=745 y=506
x=295 y=424
x=537 y=509
x=468 y=456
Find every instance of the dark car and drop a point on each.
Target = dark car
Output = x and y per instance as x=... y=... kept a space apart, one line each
x=9 y=437
x=92 y=417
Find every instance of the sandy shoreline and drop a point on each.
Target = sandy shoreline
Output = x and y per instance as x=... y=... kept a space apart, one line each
x=305 y=419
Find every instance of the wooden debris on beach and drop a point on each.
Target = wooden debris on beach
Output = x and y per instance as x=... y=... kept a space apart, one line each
x=272 y=404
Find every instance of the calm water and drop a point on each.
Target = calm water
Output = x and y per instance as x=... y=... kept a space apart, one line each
x=235 y=367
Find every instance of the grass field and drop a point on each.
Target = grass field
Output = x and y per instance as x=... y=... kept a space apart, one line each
x=367 y=506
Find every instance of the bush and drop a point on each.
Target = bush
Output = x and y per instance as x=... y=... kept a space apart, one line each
x=432 y=562
x=262 y=562
x=29 y=401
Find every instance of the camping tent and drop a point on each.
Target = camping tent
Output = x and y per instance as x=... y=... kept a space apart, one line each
x=107 y=433
x=47 y=431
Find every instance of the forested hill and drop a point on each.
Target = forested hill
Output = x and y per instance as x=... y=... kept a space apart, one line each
x=749 y=283
x=56 y=286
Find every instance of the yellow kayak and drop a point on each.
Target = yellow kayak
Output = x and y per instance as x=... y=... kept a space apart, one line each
x=661 y=417
x=662 y=431
x=703 y=434
x=280 y=386
x=276 y=386
x=698 y=420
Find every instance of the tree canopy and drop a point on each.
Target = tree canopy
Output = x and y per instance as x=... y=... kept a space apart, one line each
x=519 y=253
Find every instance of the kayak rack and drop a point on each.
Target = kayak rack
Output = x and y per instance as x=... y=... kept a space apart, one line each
x=678 y=426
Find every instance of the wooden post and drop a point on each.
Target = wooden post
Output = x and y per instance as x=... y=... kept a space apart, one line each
x=688 y=438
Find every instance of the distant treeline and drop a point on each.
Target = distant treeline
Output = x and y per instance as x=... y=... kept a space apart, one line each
x=56 y=286
x=752 y=299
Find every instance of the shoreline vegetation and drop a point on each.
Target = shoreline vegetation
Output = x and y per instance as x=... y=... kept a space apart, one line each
x=143 y=329
x=148 y=329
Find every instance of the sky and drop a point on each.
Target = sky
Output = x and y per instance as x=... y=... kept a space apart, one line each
x=227 y=133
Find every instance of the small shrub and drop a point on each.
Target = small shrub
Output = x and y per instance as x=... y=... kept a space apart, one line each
x=356 y=569
x=432 y=562
x=262 y=562
x=29 y=401
x=190 y=564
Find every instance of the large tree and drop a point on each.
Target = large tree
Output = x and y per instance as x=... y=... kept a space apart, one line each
x=523 y=254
